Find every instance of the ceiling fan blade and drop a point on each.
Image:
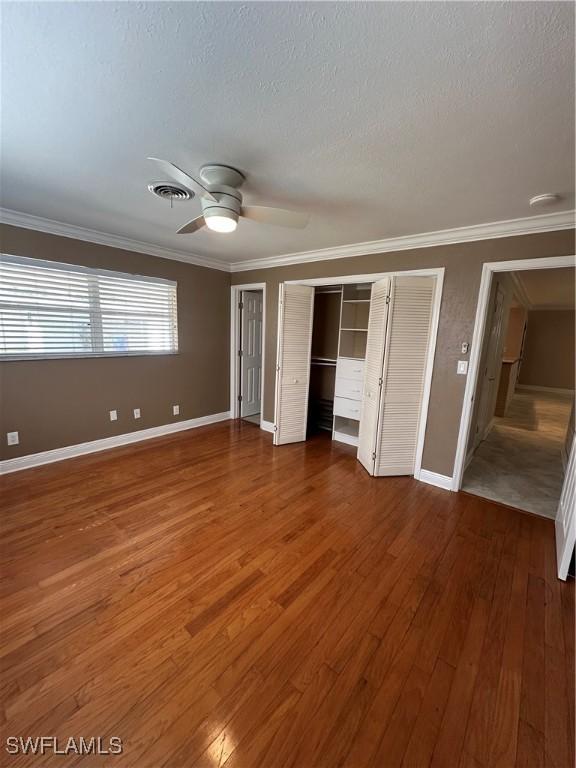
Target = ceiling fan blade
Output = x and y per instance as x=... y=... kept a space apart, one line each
x=182 y=177
x=279 y=216
x=193 y=226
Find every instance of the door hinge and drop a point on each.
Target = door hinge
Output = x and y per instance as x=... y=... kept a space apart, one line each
x=277 y=369
x=374 y=456
x=240 y=353
x=240 y=305
x=239 y=398
x=387 y=299
x=275 y=428
x=380 y=382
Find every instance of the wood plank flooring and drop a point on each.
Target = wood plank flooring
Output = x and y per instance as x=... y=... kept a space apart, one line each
x=214 y=601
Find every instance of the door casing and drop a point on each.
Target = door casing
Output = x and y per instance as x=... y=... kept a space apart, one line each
x=480 y=323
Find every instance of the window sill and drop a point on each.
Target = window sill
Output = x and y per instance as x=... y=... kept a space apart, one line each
x=81 y=356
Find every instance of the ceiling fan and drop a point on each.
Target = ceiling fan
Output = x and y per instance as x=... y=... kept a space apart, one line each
x=218 y=187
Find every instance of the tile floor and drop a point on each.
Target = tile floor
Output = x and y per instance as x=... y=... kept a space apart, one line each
x=520 y=462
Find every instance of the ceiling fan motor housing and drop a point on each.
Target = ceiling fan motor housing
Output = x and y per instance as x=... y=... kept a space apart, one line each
x=228 y=205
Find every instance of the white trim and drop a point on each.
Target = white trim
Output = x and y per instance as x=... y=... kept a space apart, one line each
x=342 y=437
x=51 y=227
x=535 y=388
x=267 y=426
x=235 y=291
x=369 y=277
x=509 y=228
x=520 y=291
x=488 y=270
x=433 y=478
x=81 y=449
x=489 y=231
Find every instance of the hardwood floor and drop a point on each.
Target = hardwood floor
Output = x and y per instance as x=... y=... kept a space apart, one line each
x=215 y=601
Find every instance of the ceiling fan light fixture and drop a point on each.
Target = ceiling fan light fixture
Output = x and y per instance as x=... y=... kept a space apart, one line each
x=221 y=220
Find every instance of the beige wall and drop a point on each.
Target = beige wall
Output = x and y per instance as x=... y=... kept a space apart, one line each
x=549 y=349
x=54 y=403
x=463 y=264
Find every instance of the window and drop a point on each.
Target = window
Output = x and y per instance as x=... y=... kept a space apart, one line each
x=49 y=309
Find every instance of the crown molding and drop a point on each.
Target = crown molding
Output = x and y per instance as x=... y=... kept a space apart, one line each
x=51 y=227
x=520 y=290
x=496 y=229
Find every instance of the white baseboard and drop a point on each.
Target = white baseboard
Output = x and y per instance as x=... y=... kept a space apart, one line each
x=556 y=390
x=342 y=437
x=267 y=426
x=433 y=478
x=71 y=451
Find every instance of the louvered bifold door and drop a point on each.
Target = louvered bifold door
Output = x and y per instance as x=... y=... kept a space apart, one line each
x=295 y=316
x=408 y=339
x=375 y=347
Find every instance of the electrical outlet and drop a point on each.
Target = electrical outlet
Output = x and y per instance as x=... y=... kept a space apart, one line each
x=136 y=413
x=175 y=410
x=12 y=438
x=113 y=415
x=465 y=347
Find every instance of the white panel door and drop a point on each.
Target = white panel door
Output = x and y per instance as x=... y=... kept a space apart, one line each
x=295 y=317
x=251 y=359
x=566 y=517
x=408 y=339
x=373 y=366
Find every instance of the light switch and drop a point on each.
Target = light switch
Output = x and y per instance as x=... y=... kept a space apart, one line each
x=12 y=438
x=462 y=367
x=136 y=413
x=175 y=410
x=113 y=415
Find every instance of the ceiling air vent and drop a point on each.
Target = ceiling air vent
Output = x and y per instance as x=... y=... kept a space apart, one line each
x=169 y=191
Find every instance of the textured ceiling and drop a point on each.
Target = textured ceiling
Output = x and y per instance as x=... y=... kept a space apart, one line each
x=547 y=288
x=380 y=119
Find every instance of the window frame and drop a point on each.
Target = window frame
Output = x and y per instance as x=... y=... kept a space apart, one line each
x=95 y=316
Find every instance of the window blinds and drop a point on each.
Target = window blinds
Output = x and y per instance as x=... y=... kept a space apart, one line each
x=48 y=309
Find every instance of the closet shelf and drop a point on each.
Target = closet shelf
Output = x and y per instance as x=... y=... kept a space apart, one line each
x=356 y=301
x=362 y=330
x=323 y=361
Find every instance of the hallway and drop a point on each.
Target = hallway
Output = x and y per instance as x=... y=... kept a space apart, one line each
x=520 y=462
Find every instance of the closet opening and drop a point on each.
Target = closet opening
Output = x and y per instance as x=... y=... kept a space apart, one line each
x=354 y=361
x=247 y=353
x=339 y=333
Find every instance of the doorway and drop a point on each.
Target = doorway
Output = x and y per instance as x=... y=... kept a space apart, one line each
x=247 y=352
x=519 y=408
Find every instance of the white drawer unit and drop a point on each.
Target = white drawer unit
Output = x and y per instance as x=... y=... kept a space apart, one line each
x=350 y=409
x=350 y=388
x=348 y=368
